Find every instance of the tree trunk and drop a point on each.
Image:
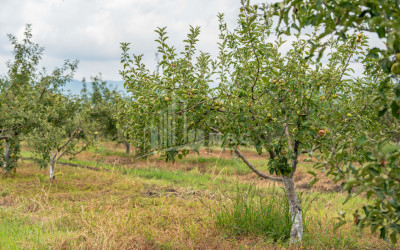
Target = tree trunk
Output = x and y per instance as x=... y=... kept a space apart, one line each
x=296 y=233
x=52 y=165
x=127 y=147
x=6 y=157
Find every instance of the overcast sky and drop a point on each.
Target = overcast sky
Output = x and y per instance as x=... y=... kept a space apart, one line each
x=91 y=30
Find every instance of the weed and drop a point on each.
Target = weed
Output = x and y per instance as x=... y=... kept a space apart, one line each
x=5 y=192
x=251 y=214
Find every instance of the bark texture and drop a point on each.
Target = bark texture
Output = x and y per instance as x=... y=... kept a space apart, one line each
x=6 y=157
x=127 y=147
x=296 y=233
x=52 y=165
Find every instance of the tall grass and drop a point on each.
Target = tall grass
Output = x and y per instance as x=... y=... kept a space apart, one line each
x=249 y=213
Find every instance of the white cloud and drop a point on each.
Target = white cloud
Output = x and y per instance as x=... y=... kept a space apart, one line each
x=91 y=31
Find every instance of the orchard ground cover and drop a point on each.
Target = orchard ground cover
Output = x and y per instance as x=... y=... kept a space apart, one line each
x=150 y=203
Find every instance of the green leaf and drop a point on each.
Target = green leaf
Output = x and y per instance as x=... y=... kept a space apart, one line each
x=313 y=182
x=382 y=112
x=381 y=32
x=395 y=109
x=361 y=140
x=339 y=224
x=393 y=237
x=312 y=173
x=383 y=234
x=374 y=53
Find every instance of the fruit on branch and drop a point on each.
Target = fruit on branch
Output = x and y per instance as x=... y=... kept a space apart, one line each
x=398 y=57
x=395 y=69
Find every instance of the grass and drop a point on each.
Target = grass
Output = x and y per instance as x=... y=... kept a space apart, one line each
x=150 y=204
x=252 y=214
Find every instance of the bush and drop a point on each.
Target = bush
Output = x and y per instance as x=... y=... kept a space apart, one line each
x=253 y=214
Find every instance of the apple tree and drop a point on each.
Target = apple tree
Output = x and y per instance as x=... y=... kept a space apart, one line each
x=251 y=95
x=379 y=175
x=64 y=127
x=21 y=91
x=101 y=103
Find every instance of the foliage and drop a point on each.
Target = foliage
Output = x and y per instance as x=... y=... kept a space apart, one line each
x=339 y=17
x=101 y=104
x=63 y=128
x=284 y=104
x=259 y=90
x=22 y=90
x=379 y=174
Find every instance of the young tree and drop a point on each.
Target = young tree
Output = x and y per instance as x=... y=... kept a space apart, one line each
x=379 y=174
x=64 y=127
x=120 y=115
x=101 y=104
x=21 y=91
x=281 y=104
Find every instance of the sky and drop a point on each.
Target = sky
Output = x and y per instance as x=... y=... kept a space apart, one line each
x=92 y=30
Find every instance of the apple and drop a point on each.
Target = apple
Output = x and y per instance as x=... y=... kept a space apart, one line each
x=349 y=115
x=395 y=69
x=166 y=99
x=359 y=35
x=321 y=132
x=398 y=57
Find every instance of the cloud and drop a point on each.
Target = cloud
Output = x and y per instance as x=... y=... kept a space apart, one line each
x=91 y=31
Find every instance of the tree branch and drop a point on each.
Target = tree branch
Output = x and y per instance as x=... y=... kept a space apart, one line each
x=262 y=175
x=80 y=151
x=71 y=138
x=312 y=150
x=5 y=137
x=288 y=136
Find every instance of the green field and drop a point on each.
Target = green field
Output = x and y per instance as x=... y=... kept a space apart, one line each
x=135 y=203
